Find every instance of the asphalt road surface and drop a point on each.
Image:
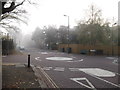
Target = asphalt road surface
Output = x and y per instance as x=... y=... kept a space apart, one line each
x=72 y=70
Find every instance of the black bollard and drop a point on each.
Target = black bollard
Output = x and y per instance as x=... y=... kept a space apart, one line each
x=28 y=60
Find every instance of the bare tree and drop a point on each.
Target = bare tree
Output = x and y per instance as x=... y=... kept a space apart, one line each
x=94 y=15
x=12 y=13
x=93 y=30
x=11 y=7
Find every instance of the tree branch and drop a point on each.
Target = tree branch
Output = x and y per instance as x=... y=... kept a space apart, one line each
x=11 y=8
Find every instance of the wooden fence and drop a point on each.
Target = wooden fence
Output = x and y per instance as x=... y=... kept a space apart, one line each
x=78 y=48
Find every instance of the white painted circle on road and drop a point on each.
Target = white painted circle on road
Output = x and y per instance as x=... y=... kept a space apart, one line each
x=59 y=58
x=98 y=72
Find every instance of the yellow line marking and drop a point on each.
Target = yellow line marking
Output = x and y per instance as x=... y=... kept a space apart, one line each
x=50 y=80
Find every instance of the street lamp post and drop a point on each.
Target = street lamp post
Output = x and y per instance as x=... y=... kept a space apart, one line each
x=89 y=33
x=68 y=30
x=44 y=39
x=7 y=43
x=112 y=39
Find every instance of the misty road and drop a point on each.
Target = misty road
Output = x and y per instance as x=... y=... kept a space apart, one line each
x=72 y=70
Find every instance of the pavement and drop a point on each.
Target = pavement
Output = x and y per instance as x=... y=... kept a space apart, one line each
x=20 y=76
x=0 y=71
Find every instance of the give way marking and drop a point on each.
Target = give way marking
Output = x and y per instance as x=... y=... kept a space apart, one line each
x=90 y=86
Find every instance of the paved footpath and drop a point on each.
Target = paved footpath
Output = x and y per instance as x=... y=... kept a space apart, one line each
x=20 y=76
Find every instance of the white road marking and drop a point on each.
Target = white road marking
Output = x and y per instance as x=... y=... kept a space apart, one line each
x=74 y=69
x=73 y=57
x=80 y=60
x=110 y=57
x=98 y=72
x=38 y=59
x=103 y=80
x=59 y=69
x=81 y=79
x=94 y=72
x=70 y=61
x=115 y=61
x=44 y=53
x=4 y=56
x=117 y=73
x=59 y=58
x=77 y=69
x=47 y=68
x=76 y=61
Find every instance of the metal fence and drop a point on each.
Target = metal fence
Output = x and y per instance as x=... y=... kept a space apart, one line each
x=7 y=46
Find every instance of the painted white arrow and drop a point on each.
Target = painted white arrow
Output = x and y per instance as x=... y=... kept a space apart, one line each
x=81 y=79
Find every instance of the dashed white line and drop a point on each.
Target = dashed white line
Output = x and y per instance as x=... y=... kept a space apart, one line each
x=38 y=59
x=59 y=69
x=47 y=68
x=74 y=69
x=111 y=57
x=44 y=53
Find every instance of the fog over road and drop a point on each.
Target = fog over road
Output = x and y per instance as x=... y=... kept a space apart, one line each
x=72 y=70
